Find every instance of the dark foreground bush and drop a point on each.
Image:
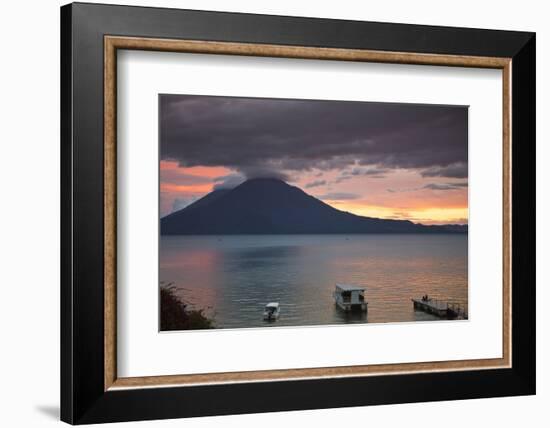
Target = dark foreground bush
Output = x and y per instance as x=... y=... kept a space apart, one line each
x=174 y=314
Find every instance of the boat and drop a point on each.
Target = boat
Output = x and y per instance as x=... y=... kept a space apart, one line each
x=350 y=298
x=272 y=311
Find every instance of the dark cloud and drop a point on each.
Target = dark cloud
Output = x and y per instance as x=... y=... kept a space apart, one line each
x=342 y=178
x=260 y=136
x=263 y=171
x=339 y=196
x=315 y=183
x=372 y=172
x=439 y=186
x=445 y=186
x=433 y=186
x=454 y=170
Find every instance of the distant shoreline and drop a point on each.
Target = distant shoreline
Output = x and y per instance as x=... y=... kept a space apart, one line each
x=314 y=234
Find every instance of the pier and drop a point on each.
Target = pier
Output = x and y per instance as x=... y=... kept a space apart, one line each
x=441 y=308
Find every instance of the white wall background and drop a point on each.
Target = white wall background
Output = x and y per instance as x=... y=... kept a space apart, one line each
x=29 y=212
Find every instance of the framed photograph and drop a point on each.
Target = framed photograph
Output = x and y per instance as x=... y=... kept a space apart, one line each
x=265 y=213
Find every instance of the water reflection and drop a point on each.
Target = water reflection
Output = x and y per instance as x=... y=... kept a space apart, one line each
x=236 y=276
x=350 y=317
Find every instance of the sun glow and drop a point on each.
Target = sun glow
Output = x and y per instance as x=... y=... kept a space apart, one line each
x=424 y=215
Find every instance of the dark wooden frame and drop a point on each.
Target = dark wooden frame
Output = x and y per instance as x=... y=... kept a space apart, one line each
x=87 y=119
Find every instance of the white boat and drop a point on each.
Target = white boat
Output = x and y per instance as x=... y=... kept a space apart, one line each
x=272 y=311
x=350 y=298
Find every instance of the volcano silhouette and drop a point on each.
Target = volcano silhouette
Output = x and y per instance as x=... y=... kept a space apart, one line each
x=271 y=206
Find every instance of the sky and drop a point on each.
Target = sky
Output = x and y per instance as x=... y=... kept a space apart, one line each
x=385 y=160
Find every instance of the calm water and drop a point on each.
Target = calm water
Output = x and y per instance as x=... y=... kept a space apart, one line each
x=233 y=277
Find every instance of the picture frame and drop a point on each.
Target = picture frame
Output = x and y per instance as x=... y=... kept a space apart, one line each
x=91 y=390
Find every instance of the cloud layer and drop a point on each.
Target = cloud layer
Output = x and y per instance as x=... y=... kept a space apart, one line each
x=278 y=138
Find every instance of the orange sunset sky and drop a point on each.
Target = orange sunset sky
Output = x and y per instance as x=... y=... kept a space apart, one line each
x=393 y=161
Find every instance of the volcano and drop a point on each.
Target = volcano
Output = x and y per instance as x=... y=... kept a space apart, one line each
x=271 y=206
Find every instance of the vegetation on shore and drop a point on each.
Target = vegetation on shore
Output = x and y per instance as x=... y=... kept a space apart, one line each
x=175 y=314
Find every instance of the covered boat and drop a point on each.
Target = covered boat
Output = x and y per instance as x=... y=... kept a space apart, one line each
x=350 y=298
x=272 y=311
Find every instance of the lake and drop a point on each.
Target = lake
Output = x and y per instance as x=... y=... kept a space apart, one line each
x=233 y=277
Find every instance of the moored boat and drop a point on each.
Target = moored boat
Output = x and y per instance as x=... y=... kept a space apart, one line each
x=272 y=311
x=350 y=298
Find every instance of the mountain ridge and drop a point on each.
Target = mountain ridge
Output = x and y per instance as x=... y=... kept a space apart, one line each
x=271 y=206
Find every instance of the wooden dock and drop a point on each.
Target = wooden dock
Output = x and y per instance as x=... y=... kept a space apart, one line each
x=441 y=308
